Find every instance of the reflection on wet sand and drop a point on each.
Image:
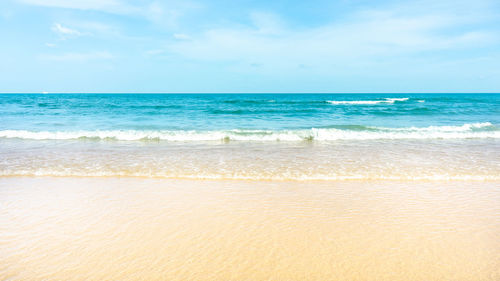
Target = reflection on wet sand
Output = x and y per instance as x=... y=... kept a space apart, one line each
x=145 y=229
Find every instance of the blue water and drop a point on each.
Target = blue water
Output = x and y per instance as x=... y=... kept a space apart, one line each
x=216 y=112
x=252 y=136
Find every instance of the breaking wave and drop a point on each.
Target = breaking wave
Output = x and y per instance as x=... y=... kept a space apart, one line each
x=346 y=132
x=386 y=100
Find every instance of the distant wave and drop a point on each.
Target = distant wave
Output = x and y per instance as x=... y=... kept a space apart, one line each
x=386 y=100
x=346 y=132
x=238 y=101
x=259 y=111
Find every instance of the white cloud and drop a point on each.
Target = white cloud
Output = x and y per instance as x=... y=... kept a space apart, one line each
x=111 y=6
x=164 y=14
x=77 y=57
x=365 y=36
x=168 y=14
x=50 y=45
x=96 y=28
x=65 y=32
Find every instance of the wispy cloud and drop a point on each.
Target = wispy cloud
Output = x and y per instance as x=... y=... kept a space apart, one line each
x=65 y=32
x=77 y=57
x=110 y=6
x=416 y=44
x=161 y=13
x=366 y=35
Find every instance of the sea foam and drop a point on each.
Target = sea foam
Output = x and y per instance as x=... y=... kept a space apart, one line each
x=386 y=100
x=466 y=131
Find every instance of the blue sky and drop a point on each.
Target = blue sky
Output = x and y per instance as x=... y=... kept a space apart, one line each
x=249 y=46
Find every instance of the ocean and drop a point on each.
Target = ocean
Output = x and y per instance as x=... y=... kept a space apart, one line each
x=252 y=136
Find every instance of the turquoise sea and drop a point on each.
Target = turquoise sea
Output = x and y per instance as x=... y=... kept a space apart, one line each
x=236 y=116
x=252 y=136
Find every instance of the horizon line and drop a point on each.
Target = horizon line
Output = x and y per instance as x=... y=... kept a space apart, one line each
x=240 y=93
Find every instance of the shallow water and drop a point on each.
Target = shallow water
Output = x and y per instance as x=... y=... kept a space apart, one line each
x=252 y=136
x=151 y=229
x=413 y=160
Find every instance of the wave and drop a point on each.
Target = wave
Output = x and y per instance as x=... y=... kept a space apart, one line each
x=345 y=132
x=259 y=111
x=318 y=102
x=386 y=100
x=249 y=101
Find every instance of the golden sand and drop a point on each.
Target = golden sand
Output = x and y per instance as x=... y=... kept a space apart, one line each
x=145 y=229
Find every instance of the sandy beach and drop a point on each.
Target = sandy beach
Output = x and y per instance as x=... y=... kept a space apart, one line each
x=159 y=229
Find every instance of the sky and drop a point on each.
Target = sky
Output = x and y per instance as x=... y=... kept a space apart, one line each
x=244 y=46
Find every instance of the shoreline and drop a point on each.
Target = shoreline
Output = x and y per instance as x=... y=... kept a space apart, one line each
x=438 y=180
x=471 y=160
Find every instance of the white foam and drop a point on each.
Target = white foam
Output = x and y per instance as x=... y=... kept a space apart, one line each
x=392 y=100
x=386 y=100
x=430 y=129
x=474 y=130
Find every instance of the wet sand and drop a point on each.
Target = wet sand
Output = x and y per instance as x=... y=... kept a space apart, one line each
x=159 y=229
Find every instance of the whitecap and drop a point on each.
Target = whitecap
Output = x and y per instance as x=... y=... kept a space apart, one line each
x=472 y=130
x=386 y=100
